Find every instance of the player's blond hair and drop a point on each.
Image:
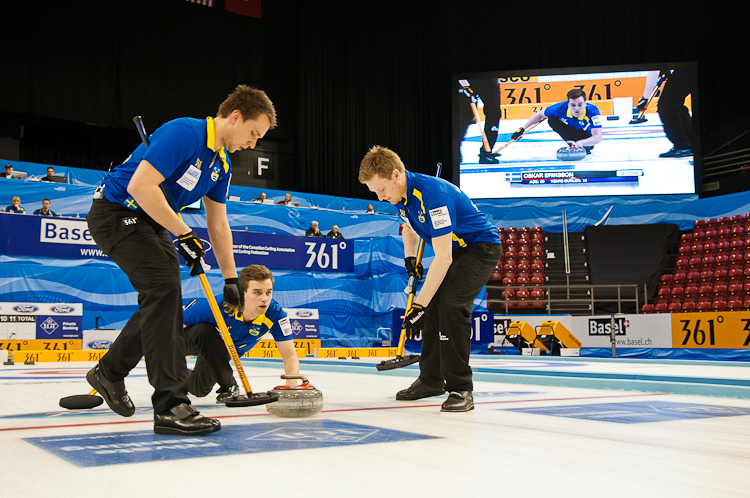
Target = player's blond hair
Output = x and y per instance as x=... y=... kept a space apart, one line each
x=379 y=161
x=251 y=102
x=254 y=273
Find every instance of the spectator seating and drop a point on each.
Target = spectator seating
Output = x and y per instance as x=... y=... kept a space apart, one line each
x=521 y=268
x=712 y=271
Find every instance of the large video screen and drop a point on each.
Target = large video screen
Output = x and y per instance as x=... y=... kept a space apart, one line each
x=589 y=131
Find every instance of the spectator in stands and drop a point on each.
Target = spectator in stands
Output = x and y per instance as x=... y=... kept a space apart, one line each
x=287 y=200
x=313 y=231
x=45 y=211
x=334 y=233
x=8 y=171
x=370 y=209
x=261 y=198
x=50 y=175
x=15 y=206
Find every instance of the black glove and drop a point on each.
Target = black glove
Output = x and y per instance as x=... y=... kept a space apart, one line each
x=414 y=320
x=642 y=104
x=517 y=134
x=233 y=294
x=190 y=248
x=413 y=269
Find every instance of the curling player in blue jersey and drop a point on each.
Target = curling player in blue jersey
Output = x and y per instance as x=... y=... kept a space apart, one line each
x=467 y=247
x=260 y=314
x=575 y=120
x=130 y=220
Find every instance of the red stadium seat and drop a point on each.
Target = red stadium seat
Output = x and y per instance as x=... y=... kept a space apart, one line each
x=674 y=306
x=721 y=259
x=734 y=305
x=647 y=308
x=679 y=277
x=705 y=289
x=689 y=306
x=703 y=306
x=719 y=289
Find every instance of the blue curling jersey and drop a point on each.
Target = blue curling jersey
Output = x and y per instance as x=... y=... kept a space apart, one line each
x=181 y=150
x=244 y=335
x=435 y=207
x=591 y=117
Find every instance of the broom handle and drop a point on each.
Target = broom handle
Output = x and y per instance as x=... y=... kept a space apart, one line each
x=224 y=331
x=412 y=293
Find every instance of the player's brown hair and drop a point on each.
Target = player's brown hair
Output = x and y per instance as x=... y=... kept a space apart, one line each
x=575 y=93
x=251 y=102
x=380 y=161
x=254 y=273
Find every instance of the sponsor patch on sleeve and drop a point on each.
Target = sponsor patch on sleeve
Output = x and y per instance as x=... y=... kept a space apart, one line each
x=440 y=217
x=286 y=327
x=596 y=120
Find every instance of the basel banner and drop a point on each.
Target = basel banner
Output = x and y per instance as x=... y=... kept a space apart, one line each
x=69 y=238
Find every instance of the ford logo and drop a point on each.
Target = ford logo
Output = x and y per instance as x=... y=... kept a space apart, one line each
x=63 y=309
x=304 y=314
x=25 y=308
x=100 y=344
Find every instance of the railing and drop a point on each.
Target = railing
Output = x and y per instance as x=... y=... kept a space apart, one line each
x=549 y=301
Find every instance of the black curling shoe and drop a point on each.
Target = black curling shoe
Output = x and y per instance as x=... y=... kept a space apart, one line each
x=419 y=390
x=458 y=401
x=114 y=393
x=184 y=420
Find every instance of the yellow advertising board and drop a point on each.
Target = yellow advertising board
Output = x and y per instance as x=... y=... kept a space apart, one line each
x=724 y=330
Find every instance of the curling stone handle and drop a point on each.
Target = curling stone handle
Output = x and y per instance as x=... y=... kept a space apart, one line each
x=295 y=376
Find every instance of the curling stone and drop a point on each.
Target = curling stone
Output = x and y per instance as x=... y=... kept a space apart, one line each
x=296 y=401
x=571 y=153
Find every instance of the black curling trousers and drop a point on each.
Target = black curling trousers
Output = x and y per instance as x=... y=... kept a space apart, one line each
x=212 y=363
x=678 y=125
x=567 y=132
x=144 y=251
x=446 y=338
